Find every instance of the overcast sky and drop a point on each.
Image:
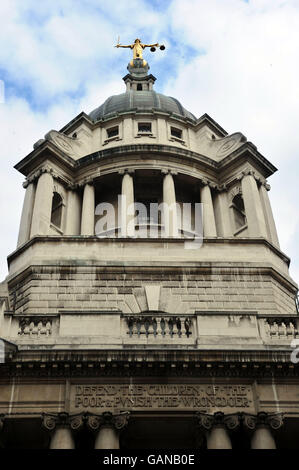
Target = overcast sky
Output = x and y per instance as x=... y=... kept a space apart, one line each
x=233 y=59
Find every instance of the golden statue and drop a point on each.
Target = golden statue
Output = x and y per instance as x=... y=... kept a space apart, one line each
x=138 y=49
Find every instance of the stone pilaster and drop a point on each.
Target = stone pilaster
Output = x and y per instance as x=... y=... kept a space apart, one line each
x=73 y=218
x=262 y=426
x=209 y=224
x=41 y=217
x=107 y=426
x=216 y=427
x=127 y=215
x=170 y=209
x=253 y=206
x=88 y=210
x=61 y=426
x=270 y=223
x=27 y=211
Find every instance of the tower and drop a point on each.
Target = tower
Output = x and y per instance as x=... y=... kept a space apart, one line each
x=112 y=324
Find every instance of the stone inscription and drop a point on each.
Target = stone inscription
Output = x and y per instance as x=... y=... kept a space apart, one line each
x=155 y=397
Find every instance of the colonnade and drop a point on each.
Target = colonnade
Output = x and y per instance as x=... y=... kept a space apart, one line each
x=80 y=220
x=106 y=428
x=260 y=427
x=217 y=428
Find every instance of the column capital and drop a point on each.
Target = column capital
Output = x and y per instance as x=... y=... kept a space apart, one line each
x=166 y=171
x=208 y=421
x=221 y=187
x=272 y=420
x=210 y=184
x=247 y=171
x=118 y=422
x=129 y=171
x=51 y=421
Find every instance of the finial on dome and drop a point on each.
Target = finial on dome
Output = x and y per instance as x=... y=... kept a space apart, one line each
x=138 y=47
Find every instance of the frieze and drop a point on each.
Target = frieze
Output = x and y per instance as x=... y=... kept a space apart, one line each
x=111 y=397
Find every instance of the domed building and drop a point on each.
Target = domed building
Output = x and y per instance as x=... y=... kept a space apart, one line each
x=148 y=303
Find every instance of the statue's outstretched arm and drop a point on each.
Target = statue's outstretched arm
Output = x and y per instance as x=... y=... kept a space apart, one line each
x=150 y=45
x=119 y=45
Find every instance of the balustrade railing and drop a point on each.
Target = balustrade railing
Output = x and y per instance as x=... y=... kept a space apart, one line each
x=160 y=326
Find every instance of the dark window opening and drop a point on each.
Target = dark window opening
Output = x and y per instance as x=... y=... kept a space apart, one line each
x=139 y=87
x=176 y=132
x=239 y=211
x=112 y=132
x=56 y=212
x=144 y=127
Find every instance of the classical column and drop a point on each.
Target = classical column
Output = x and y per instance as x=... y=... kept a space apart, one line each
x=170 y=209
x=61 y=426
x=41 y=217
x=253 y=206
x=209 y=225
x=270 y=224
x=127 y=205
x=88 y=210
x=262 y=425
x=216 y=427
x=73 y=218
x=26 y=218
x=222 y=214
x=107 y=426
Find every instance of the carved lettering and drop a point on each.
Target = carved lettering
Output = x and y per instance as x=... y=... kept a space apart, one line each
x=156 y=396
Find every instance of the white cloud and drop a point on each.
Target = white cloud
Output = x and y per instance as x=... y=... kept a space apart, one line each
x=247 y=81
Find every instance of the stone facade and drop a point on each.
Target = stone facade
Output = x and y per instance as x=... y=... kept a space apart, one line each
x=106 y=331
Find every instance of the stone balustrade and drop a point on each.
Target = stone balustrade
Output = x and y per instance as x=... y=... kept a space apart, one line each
x=160 y=326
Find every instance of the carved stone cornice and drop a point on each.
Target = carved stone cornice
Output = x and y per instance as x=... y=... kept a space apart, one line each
x=118 y=422
x=51 y=421
x=218 y=419
x=272 y=420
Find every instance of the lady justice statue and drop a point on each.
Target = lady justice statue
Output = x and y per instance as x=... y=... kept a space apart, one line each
x=138 y=49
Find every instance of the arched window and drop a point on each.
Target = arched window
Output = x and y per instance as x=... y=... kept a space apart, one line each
x=56 y=212
x=239 y=211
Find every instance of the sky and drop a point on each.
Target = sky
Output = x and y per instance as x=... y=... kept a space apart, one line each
x=235 y=60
